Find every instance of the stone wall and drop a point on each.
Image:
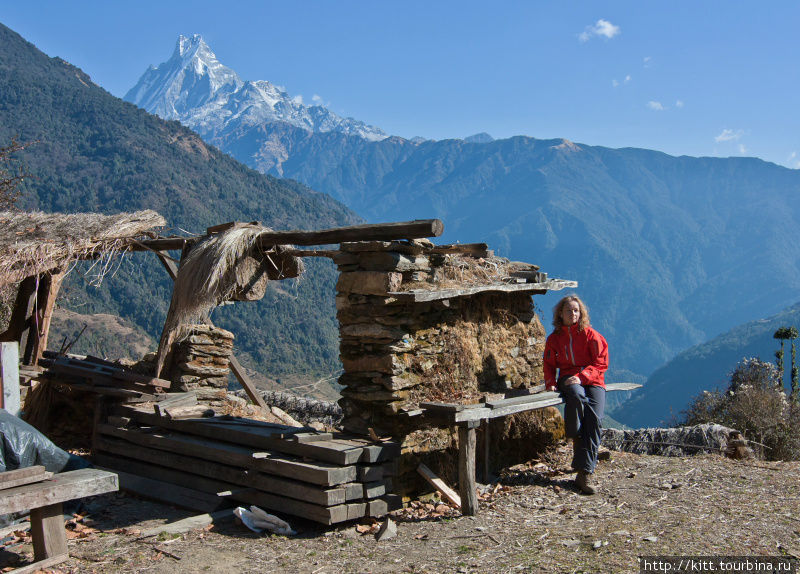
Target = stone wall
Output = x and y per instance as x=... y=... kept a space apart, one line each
x=202 y=359
x=397 y=353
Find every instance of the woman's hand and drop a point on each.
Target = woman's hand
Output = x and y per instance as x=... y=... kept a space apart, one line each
x=573 y=380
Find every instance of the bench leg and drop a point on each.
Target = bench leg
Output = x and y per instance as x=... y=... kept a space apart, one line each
x=466 y=469
x=48 y=532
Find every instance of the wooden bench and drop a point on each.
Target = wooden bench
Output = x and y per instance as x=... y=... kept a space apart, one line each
x=468 y=417
x=43 y=494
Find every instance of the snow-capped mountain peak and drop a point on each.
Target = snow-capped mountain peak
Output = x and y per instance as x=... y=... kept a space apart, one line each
x=194 y=87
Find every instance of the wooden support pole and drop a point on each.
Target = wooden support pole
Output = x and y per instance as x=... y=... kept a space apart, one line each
x=466 y=468
x=486 y=438
x=9 y=377
x=247 y=384
x=24 y=305
x=168 y=263
x=48 y=293
x=47 y=531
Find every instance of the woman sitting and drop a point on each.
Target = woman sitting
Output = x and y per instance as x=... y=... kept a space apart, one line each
x=575 y=362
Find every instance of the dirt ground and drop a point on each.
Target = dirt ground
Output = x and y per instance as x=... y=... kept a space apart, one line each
x=531 y=520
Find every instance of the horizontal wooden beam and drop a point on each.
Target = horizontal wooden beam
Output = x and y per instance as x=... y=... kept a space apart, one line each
x=424 y=295
x=369 y=232
x=59 y=488
x=454 y=413
x=416 y=229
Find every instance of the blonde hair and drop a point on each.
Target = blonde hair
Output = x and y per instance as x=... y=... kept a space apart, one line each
x=584 y=320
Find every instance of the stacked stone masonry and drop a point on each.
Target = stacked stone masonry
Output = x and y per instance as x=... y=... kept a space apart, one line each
x=202 y=360
x=397 y=353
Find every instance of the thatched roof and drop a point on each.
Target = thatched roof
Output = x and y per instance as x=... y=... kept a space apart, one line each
x=35 y=242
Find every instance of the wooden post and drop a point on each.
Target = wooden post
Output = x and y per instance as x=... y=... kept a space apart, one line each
x=24 y=305
x=466 y=468
x=48 y=292
x=47 y=531
x=9 y=377
x=486 y=437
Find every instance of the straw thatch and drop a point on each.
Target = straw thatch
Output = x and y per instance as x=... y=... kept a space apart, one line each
x=33 y=243
x=220 y=268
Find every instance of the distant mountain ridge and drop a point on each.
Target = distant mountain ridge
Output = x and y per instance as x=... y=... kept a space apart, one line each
x=195 y=88
x=668 y=251
x=706 y=367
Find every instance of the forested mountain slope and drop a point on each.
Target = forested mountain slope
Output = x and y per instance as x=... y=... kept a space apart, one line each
x=94 y=152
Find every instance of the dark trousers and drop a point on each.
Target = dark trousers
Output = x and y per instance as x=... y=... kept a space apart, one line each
x=583 y=416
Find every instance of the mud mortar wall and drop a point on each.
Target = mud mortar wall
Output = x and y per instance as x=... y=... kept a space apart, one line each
x=398 y=353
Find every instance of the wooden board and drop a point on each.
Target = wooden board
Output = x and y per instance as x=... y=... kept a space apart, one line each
x=10 y=476
x=64 y=486
x=325 y=515
x=272 y=438
x=236 y=456
x=423 y=295
x=166 y=484
x=448 y=493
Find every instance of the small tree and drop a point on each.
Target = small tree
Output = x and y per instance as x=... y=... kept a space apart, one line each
x=755 y=404
x=10 y=177
x=795 y=383
x=781 y=334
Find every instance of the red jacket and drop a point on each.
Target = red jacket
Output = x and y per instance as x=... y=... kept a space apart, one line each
x=574 y=352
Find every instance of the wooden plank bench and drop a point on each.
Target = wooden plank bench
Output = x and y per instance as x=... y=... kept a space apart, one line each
x=44 y=499
x=468 y=417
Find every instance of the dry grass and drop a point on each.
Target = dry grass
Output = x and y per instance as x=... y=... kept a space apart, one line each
x=33 y=243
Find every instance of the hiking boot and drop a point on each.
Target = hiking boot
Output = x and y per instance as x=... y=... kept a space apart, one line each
x=585 y=483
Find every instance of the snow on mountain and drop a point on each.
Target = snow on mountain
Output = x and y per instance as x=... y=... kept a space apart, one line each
x=195 y=88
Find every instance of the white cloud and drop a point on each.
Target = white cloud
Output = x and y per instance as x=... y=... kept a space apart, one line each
x=678 y=103
x=646 y=61
x=742 y=149
x=728 y=135
x=317 y=99
x=616 y=83
x=602 y=28
x=656 y=106
x=794 y=162
x=298 y=99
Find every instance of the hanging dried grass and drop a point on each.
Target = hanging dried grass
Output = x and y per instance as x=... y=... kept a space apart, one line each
x=210 y=275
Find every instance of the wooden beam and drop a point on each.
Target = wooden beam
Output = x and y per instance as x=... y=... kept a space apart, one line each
x=168 y=263
x=440 y=485
x=48 y=293
x=369 y=232
x=246 y=383
x=466 y=469
x=23 y=476
x=63 y=486
x=424 y=295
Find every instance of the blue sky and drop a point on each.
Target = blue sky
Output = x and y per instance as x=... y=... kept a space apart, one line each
x=687 y=78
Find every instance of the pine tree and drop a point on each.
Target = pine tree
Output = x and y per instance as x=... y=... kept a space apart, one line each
x=793 y=334
x=781 y=334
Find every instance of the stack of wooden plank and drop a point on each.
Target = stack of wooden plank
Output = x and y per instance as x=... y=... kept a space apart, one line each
x=103 y=377
x=324 y=477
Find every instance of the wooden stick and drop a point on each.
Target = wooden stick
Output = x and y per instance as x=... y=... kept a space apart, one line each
x=439 y=485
